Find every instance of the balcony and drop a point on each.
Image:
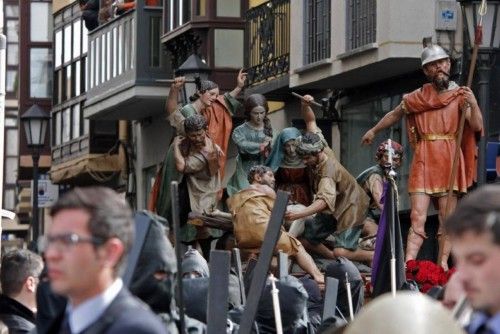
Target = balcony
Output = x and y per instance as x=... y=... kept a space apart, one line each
x=370 y=41
x=268 y=35
x=125 y=64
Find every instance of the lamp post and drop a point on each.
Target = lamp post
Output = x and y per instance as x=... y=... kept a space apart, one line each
x=487 y=52
x=35 y=121
x=195 y=70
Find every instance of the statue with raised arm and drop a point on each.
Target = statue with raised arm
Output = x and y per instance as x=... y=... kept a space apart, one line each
x=217 y=110
x=432 y=117
x=339 y=203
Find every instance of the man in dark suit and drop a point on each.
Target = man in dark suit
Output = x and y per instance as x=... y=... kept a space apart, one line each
x=91 y=231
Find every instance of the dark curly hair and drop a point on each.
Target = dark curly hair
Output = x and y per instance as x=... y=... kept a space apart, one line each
x=195 y=123
x=309 y=138
x=202 y=88
x=259 y=100
x=257 y=170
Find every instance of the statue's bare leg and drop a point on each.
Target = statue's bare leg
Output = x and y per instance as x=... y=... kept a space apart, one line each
x=306 y=262
x=416 y=235
x=443 y=240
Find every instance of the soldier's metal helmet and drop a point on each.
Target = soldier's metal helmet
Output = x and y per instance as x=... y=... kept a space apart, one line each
x=433 y=53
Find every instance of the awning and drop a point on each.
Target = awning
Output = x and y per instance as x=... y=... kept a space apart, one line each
x=93 y=164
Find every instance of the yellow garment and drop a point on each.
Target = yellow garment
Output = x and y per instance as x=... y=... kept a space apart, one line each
x=251 y=210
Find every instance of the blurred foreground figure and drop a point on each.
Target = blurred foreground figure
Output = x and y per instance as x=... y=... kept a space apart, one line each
x=474 y=229
x=86 y=244
x=408 y=312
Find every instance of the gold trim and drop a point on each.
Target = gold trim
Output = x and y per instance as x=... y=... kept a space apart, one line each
x=436 y=136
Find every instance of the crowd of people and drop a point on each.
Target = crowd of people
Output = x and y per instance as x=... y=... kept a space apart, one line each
x=78 y=285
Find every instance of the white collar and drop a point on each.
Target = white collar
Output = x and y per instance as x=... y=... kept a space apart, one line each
x=90 y=310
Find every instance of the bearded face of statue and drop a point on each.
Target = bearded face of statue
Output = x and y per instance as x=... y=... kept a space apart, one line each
x=438 y=72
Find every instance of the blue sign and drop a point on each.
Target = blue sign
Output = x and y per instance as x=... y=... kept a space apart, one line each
x=447 y=15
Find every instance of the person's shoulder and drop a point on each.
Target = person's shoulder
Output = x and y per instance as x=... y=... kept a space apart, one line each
x=134 y=315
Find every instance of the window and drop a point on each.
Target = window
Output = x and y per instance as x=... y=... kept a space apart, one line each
x=228 y=48
x=12 y=52
x=317 y=30
x=179 y=13
x=40 y=72
x=70 y=48
x=76 y=121
x=41 y=22
x=229 y=8
x=361 y=23
x=10 y=160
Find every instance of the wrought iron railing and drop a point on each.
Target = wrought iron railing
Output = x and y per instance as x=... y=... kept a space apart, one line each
x=361 y=21
x=268 y=29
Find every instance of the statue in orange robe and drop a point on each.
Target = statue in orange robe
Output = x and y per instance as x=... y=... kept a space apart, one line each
x=433 y=113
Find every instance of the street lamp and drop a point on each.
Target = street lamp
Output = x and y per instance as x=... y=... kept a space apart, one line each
x=35 y=121
x=487 y=51
x=195 y=70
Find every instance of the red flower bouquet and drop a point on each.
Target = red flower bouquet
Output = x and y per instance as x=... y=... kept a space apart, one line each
x=427 y=274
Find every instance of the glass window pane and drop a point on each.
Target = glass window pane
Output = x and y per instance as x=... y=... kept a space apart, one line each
x=10 y=170
x=67 y=43
x=12 y=144
x=9 y=200
x=12 y=31
x=77 y=37
x=154 y=60
x=40 y=72
x=228 y=48
x=12 y=10
x=58 y=129
x=77 y=79
x=75 y=119
x=86 y=126
x=85 y=39
x=12 y=54
x=66 y=125
x=41 y=22
x=68 y=82
x=11 y=121
x=58 y=48
x=11 y=81
x=229 y=8
x=201 y=8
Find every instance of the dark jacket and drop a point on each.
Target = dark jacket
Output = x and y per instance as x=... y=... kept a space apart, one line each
x=17 y=317
x=125 y=314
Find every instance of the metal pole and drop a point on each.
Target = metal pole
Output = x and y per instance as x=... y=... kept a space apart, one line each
x=34 y=216
x=484 y=75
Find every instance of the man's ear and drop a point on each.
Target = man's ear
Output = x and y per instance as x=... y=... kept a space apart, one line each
x=114 y=250
x=31 y=283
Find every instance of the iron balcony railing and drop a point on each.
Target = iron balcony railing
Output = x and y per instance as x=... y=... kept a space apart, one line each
x=268 y=35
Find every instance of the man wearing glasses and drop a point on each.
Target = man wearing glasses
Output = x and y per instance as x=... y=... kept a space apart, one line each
x=85 y=249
